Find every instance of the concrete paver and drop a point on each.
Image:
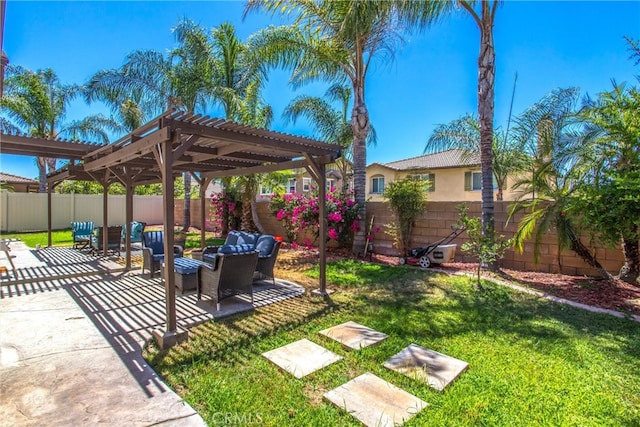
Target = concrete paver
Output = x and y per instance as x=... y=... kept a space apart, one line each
x=353 y=335
x=375 y=402
x=302 y=357
x=436 y=369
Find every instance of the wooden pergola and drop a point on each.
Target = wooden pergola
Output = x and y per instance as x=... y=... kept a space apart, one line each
x=173 y=143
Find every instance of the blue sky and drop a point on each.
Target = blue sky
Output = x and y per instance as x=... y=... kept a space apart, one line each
x=432 y=80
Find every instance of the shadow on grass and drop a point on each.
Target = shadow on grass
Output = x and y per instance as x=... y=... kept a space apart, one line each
x=233 y=339
x=453 y=306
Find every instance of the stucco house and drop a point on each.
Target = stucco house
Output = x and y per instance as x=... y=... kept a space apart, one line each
x=18 y=184
x=303 y=183
x=452 y=176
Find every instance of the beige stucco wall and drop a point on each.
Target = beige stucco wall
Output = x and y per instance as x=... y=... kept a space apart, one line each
x=449 y=184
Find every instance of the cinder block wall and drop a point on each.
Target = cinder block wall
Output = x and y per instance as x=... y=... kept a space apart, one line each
x=439 y=218
x=437 y=222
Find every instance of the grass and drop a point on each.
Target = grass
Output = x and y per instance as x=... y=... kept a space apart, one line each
x=63 y=238
x=531 y=362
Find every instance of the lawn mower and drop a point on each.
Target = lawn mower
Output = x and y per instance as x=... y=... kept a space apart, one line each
x=435 y=253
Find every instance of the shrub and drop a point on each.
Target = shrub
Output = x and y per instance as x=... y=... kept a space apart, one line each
x=299 y=213
x=407 y=199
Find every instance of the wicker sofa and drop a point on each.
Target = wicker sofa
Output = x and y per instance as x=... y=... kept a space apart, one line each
x=238 y=242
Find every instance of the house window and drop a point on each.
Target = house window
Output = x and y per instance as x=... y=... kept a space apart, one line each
x=306 y=184
x=429 y=177
x=291 y=186
x=266 y=191
x=377 y=184
x=331 y=183
x=473 y=181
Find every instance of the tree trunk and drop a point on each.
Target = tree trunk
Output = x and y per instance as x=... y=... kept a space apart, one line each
x=360 y=125
x=631 y=268
x=226 y=215
x=486 y=79
x=186 y=223
x=42 y=174
x=583 y=252
x=255 y=217
x=247 y=223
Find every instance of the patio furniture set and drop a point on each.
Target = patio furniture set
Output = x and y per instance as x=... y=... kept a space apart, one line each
x=87 y=236
x=216 y=271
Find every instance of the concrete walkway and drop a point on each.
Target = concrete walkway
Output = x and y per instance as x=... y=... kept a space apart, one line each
x=71 y=346
x=58 y=369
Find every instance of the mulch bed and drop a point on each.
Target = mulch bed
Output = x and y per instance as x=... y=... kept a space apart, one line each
x=612 y=294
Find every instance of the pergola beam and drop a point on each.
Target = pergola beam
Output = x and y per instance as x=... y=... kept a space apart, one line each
x=131 y=151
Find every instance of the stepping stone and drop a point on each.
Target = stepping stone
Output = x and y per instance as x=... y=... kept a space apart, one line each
x=375 y=402
x=302 y=357
x=354 y=335
x=436 y=369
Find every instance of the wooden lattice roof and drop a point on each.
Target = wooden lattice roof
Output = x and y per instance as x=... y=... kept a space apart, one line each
x=200 y=144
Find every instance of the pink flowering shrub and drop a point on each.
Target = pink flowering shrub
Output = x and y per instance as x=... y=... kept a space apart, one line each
x=224 y=212
x=299 y=213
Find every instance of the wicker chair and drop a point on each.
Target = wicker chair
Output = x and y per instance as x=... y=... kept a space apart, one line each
x=153 y=251
x=268 y=249
x=113 y=240
x=231 y=274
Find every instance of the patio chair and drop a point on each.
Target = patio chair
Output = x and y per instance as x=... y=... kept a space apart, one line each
x=113 y=240
x=153 y=251
x=82 y=233
x=137 y=228
x=267 y=248
x=230 y=275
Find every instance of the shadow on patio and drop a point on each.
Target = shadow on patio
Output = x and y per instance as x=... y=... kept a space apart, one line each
x=126 y=307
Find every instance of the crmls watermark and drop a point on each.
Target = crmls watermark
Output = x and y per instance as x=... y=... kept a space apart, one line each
x=237 y=418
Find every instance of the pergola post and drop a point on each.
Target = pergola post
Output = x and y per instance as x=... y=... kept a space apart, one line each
x=128 y=218
x=171 y=335
x=105 y=216
x=203 y=203
x=49 y=214
x=318 y=171
x=322 y=212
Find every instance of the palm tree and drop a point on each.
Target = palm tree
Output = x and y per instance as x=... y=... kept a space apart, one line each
x=330 y=125
x=611 y=202
x=337 y=41
x=550 y=132
x=552 y=208
x=237 y=87
x=486 y=81
x=36 y=102
x=464 y=134
x=149 y=81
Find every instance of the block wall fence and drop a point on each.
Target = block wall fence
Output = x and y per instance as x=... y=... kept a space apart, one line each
x=437 y=222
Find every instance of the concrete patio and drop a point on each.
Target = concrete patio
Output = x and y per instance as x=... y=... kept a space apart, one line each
x=71 y=346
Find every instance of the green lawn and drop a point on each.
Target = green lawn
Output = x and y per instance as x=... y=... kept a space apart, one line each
x=531 y=362
x=63 y=238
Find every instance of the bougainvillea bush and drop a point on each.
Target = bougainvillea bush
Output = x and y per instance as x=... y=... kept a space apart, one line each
x=224 y=213
x=299 y=214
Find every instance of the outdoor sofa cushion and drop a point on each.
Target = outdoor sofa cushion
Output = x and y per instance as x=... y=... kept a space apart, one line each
x=137 y=228
x=265 y=245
